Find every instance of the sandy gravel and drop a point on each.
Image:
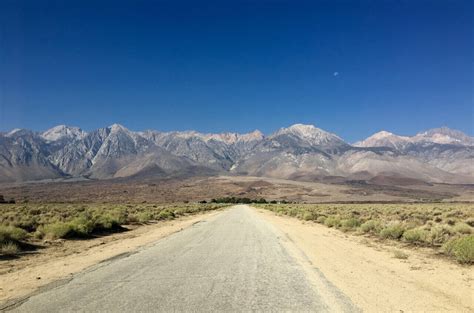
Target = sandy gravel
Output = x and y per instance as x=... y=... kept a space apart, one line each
x=22 y=276
x=369 y=274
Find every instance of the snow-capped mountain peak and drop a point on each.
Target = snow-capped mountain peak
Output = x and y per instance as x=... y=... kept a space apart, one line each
x=231 y=138
x=304 y=130
x=13 y=132
x=255 y=135
x=227 y=138
x=384 y=139
x=441 y=135
x=63 y=132
x=382 y=134
x=115 y=151
x=310 y=134
x=445 y=135
x=117 y=127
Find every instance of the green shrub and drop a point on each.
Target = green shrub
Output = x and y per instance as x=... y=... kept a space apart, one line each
x=308 y=216
x=106 y=222
x=462 y=228
x=9 y=248
x=66 y=221
x=438 y=235
x=9 y=238
x=119 y=216
x=165 y=215
x=144 y=217
x=416 y=235
x=371 y=226
x=350 y=223
x=57 y=230
x=321 y=219
x=82 y=226
x=11 y=233
x=237 y=200
x=462 y=249
x=332 y=221
x=393 y=231
x=293 y=212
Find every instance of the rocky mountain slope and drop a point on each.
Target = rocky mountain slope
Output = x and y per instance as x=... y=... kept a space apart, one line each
x=443 y=148
x=298 y=152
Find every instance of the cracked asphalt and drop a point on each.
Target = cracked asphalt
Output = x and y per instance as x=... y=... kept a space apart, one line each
x=233 y=262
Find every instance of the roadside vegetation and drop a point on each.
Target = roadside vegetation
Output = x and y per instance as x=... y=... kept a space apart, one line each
x=23 y=224
x=3 y=200
x=237 y=200
x=446 y=227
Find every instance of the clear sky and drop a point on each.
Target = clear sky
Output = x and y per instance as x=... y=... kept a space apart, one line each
x=350 y=67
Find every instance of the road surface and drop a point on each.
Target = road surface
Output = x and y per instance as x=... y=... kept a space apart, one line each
x=235 y=261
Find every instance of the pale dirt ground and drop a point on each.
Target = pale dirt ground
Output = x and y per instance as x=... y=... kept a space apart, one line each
x=24 y=275
x=369 y=274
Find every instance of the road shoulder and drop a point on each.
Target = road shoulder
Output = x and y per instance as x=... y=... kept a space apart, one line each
x=21 y=277
x=367 y=272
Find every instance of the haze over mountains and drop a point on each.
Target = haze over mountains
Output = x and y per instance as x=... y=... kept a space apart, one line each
x=300 y=152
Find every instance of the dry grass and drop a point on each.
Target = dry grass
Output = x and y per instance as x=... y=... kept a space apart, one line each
x=10 y=238
x=425 y=224
x=400 y=255
x=32 y=222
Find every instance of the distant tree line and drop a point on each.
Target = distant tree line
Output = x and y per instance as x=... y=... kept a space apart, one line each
x=3 y=200
x=237 y=200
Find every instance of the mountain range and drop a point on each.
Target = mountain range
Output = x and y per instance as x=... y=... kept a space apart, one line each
x=299 y=152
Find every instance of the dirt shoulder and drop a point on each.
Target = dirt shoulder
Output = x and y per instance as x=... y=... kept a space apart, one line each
x=369 y=274
x=22 y=276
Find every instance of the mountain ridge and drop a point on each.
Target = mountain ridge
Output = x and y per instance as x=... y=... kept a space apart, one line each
x=441 y=135
x=436 y=155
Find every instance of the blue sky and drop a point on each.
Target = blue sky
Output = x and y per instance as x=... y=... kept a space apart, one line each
x=403 y=66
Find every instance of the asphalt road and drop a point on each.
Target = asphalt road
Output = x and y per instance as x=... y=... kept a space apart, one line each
x=235 y=261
